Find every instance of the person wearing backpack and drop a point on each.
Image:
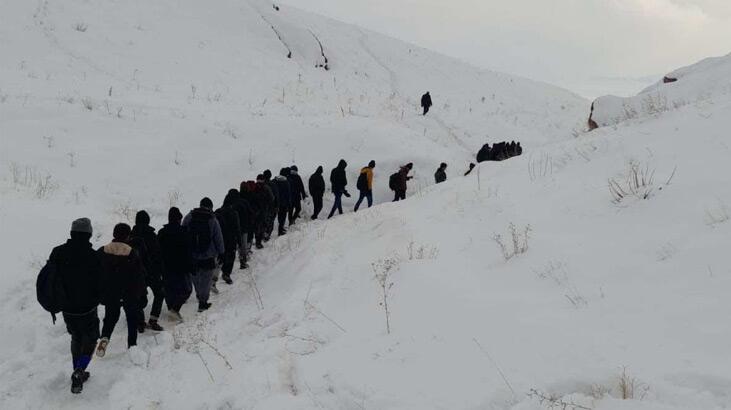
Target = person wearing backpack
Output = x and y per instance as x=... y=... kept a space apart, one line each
x=339 y=181
x=365 y=185
x=441 y=174
x=230 y=224
x=273 y=211
x=123 y=284
x=316 y=184
x=207 y=245
x=175 y=245
x=246 y=222
x=400 y=182
x=263 y=200
x=144 y=240
x=70 y=284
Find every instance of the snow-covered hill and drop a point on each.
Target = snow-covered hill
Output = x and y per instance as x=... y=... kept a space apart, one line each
x=108 y=107
x=698 y=84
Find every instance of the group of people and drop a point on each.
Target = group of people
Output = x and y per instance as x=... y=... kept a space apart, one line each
x=188 y=253
x=500 y=151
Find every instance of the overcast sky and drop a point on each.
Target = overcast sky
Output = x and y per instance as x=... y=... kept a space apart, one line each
x=583 y=45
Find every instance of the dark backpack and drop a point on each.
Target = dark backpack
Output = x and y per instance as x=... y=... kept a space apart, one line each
x=200 y=232
x=362 y=183
x=49 y=290
x=393 y=181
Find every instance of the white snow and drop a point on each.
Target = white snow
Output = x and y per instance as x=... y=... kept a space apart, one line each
x=698 y=84
x=208 y=98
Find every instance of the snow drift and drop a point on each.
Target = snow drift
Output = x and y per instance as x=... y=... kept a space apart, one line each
x=695 y=84
x=109 y=107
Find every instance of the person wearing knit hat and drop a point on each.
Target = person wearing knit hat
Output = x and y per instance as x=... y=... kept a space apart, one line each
x=177 y=261
x=78 y=272
x=144 y=241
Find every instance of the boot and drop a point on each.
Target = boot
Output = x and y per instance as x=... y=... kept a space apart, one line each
x=227 y=279
x=202 y=307
x=152 y=324
x=175 y=316
x=77 y=381
x=141 y=327
x=214 y=289
x=101 y=350
x=259 y=245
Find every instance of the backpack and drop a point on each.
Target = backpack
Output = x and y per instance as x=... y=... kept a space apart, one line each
x=393 y=181
x=49 y=290
x=200 y=232
x=362 y=183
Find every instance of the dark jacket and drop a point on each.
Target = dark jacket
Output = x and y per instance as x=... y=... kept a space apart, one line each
x=262 y=199
x=123 y=276
x=298 y=187
x=80 y=271
x=484 y=153
x=216 y=246
x=177 y=254
x=275 y=194
x=283 y=191
x=440 y=176
x=338 y=180
x=317 y=183
x=426 y=100
x=144 y=241
x=228 y=219
x=403 y=176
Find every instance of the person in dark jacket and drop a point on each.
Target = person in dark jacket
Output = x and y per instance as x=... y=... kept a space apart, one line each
x=298 y=193
x=144 y=240
x=426 y=102
x=264 y=202
x=246 y=223
x=228 y=219
x=284 y=195
x=518 y=149
x=123 y=284
x=401 y=184
x=79 y=271
x=207 y=245
x=472 y=166
x=441 y=174
x=273 y=211
x=366 y=191
x=338 y=181
x=316 y=184
x=484 y=153
x=178 y=261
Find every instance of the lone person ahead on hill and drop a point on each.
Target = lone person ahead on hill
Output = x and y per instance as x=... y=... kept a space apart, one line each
x=426 y=102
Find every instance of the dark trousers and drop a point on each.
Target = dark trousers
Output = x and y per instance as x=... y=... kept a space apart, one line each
x=294 y=212
x=178 y=287
x=132 y=311
x=260 y=233
x=317 y=204
x=426 y=109
x=337 y=205
x=84 y=331
x=158 y=293
x=227 y=264
x=282 y=219
x=400 y=195
x=271 y=216
x=364 y=195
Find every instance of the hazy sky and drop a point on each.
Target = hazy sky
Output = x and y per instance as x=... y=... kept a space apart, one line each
x=579 y=44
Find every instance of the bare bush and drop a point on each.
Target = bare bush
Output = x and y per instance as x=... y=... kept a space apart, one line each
x=173 y=198
x=383 y=268
x=29 y=178
x=519 y=241
x=81 y=27
x=421 y=251
x=539 y=168
x=45 y=187
x=125 y=211
x=87 y=103
x=630 y=388
x=638 y=181
x=553 y=401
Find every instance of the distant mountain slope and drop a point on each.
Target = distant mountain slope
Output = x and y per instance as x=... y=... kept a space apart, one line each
x=695 y=84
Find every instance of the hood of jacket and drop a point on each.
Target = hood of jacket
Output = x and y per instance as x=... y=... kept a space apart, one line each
x=117 y=249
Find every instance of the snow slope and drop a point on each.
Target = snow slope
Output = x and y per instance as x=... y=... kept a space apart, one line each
x=640 y=284
x=696 y=84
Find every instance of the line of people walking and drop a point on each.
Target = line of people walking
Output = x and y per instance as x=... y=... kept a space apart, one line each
x=185 y=256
